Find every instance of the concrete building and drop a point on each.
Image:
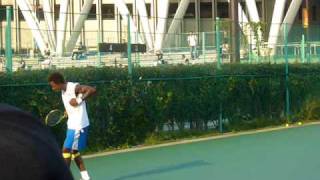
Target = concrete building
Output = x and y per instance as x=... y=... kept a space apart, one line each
x=106 y=21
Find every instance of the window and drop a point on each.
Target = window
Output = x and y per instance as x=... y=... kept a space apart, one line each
x=130 y=8
x=21 y=17
x=206 y=10
x=148 y=7
x=3 y=13
x=259 y=7
x=314 y=13
x=93 y=13
x=191 y=12
x=57 y=11
x=40 y=13
x=243 y=5
x=172 y=9
x=107 y=11
x=223 y=10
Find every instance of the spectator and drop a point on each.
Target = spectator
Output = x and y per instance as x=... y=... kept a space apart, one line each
x=160 y=57
x=79 y=52
x=47 y=55
x=22 y=65
x=225 y=50
x=185 y=59
x=192 y=41
x=46 y=63
x=47 y=51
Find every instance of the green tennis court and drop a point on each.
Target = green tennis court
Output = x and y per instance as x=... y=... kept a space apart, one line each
x=285 y=154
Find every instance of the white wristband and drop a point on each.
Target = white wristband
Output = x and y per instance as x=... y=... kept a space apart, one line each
x=79 y=100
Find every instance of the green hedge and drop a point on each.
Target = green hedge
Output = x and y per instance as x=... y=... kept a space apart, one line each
x=128 y=112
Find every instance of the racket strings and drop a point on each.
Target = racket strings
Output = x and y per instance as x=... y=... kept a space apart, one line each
x=54 y=117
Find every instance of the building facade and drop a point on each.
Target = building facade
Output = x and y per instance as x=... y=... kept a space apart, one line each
x=106 y=23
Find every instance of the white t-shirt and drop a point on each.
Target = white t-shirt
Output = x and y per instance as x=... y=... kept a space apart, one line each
x=192 y=39
x=77 y=116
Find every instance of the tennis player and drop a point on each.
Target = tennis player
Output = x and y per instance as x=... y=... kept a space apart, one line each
x=74 y=98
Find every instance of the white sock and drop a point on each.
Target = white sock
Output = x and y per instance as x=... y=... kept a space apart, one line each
x=84 y=175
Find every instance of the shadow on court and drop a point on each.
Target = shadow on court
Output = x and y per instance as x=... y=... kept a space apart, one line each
x=187 y=165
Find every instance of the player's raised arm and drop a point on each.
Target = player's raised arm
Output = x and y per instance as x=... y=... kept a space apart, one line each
x=83 y=92
x=86 y=91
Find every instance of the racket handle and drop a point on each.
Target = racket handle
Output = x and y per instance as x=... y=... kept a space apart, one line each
x=65 y=114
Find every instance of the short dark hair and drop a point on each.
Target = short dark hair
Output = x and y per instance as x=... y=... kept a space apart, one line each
x=57 y=78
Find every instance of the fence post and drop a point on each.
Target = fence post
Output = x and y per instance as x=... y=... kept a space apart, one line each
x=287 y=73
x=137 y=54
x=303 y=50
x=8 y=41
x=309 y=52
x=218 y=39
x=99 y=53
x=129 y=48
x=220 y=119
x=204 y=46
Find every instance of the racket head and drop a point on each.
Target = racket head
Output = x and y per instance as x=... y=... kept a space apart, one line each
x=54 y=117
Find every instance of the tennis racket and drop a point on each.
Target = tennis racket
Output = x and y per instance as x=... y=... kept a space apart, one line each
x=54 y=117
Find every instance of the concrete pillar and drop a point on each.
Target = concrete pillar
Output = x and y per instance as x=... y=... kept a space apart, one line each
x=178 y=17
x=245 y=26
x=32 y=23
x=197 y=17
x=291 y=14
x=17 y=29
x=235 y=54
x=62 y=26
x=163 y=8
x=277 y=18
x=99 y=20
x=48 y=15
x=79 y=25
x=153 y=18
x=253 y=10
x=141 y=7
x=123 y=9
x=214 y=9
x=119 y=30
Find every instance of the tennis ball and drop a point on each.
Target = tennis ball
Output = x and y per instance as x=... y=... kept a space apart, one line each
x=299 y=123
x=287 y=125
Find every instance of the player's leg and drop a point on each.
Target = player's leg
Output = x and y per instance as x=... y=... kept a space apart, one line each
x=80 y=164
x=80 y=143
x=67 y=156
x=67 y=146
x=76 y=156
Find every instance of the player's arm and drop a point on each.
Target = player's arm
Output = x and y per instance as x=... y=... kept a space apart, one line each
x=85 y=92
